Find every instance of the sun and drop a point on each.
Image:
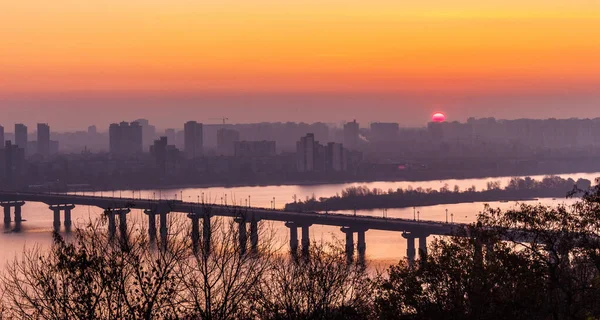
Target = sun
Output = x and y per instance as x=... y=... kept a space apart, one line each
x=438 y=117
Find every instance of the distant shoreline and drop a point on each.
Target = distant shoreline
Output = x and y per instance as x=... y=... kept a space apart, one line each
x=325 y=183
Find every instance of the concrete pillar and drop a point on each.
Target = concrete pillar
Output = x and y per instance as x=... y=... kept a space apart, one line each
x=18 y=217
x=305 y=240
x=163 y=229
x=242 y=234
x=151 y=224
x=422 y=246
x=112 y=228
x=206 y=232
x=293 y=237
x=7 y=218
x=195 y=230
x=123 y=223
x=254 y=235
x=68 y=221
x=56 y=222
x=410 y=248
x=349 y=243
x=361 y=246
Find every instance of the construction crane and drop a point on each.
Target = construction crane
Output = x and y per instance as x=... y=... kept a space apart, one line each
x=222 y=119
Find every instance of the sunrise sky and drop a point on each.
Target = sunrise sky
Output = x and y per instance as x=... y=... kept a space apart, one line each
x=392 y=57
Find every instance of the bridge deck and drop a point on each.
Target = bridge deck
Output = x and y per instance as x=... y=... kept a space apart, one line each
x=302 y=218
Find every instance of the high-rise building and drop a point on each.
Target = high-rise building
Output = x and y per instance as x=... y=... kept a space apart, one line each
x=351 y=134
x=305 y=153
x=148 y=132
x=159 y=151
x=1 y=137
x=193 y=139
x=226 y=139
x=43 y=139
x=125 y=138
x=13 y=161
x=92 y=130
x=336 y=158
x=21 y=136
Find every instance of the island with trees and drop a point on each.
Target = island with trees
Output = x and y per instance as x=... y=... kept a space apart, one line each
x=518 y=189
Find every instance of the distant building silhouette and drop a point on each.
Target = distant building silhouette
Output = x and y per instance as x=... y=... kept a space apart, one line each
x=12 y=161
x=305 y=153
x=384 y=131
x=21 y=136
x=351 y=134
x=148 y=132
x=336 y=157
x=92 y=130
x=43 y=139
x=125 y=138
x=255 y=148
x=193 y=139
x=226 y=139
x=159 y=151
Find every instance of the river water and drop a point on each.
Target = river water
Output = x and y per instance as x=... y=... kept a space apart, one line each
x=382 y=247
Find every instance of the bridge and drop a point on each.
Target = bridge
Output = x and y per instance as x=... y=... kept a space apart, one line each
x=119 y=207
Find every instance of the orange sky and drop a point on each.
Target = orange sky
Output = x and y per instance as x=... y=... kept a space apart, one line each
x=299 y=46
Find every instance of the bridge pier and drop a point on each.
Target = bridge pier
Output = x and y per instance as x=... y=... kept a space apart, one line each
x=410 y=248
x=422 y=246
x=151 y=224
x=361 y=245
x=254 y=235
x=123 y=223
x=206 y=232
x=305 y=240
x=349 y=243
x=17 y=205
x=242 y=234
x=7 y=218
x=293 y=237
x=195 y=230
x=111 y=214
x=56 y=209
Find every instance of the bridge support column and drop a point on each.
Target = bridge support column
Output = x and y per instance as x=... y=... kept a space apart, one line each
x=422 y=246
x=163 y=230
x=361 y=246
x=151 y=225
x=7 y=218
x=56 y=223
x=293 y=237
x=410 y=248
x=195 y=231
x=18 y=218
x=68 y=222
x=254 y=235
x=349 y=243
x=123 y=223
x=112 y=225
x=305 y=240
x=242 y=234
x=56 y=209
x=206 y=232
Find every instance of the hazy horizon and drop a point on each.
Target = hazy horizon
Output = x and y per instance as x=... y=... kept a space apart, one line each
x=68 y=112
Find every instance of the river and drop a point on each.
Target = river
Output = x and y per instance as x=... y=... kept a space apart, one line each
x=382 y=247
